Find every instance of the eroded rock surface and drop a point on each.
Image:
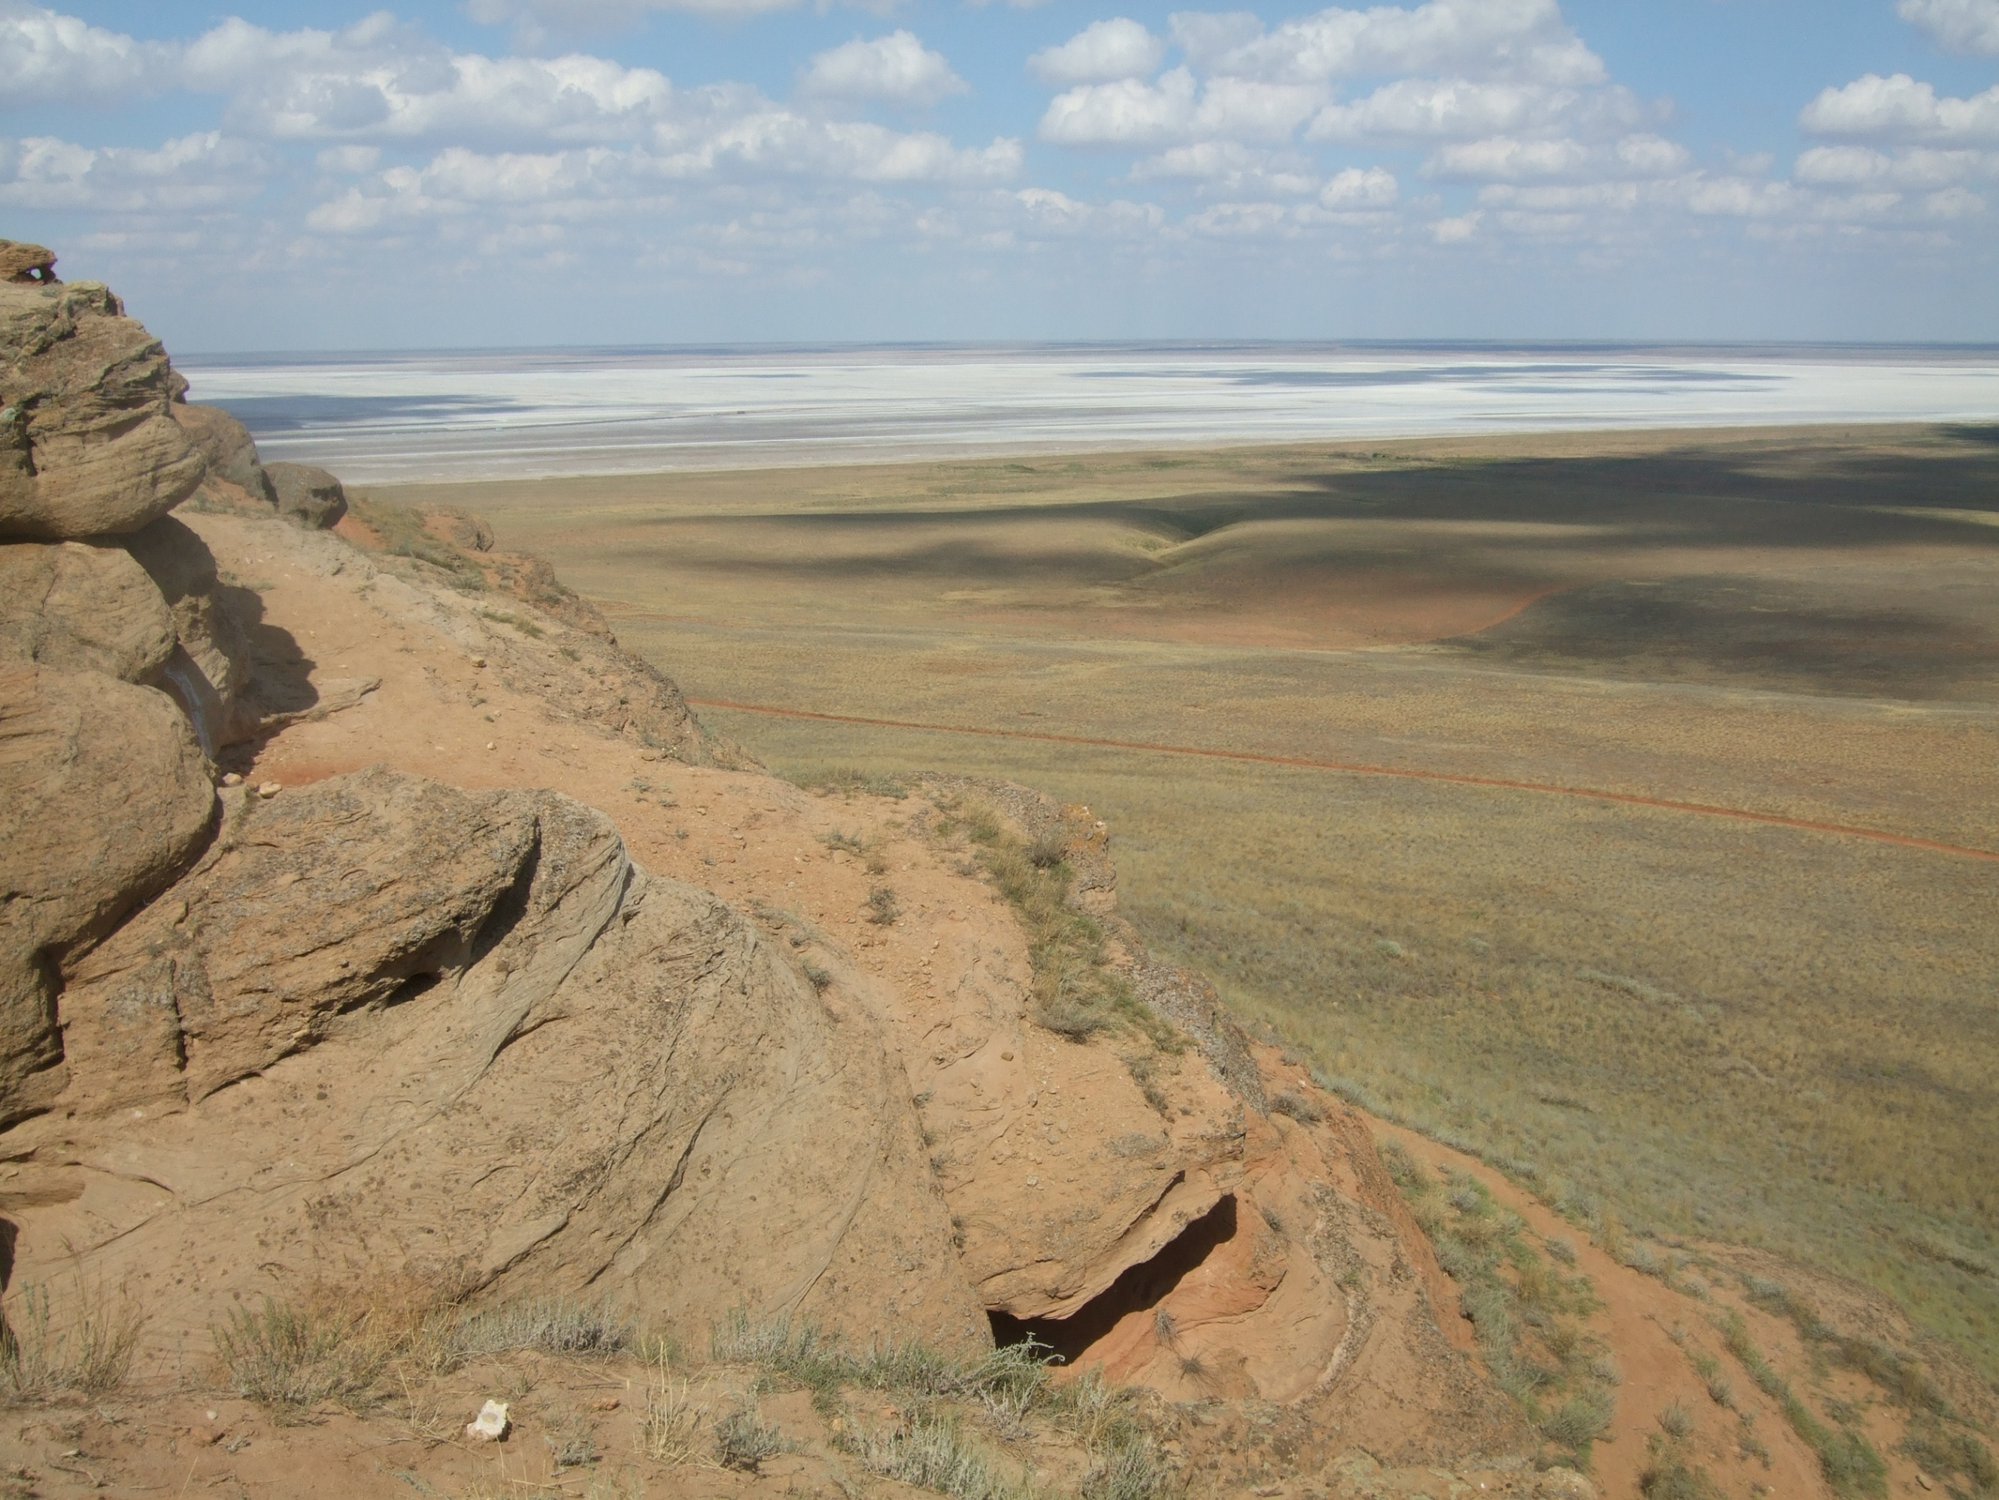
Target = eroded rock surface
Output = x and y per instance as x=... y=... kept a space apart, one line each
x=227 y=448
x=308 y=495
x=81 y=608
x=106 y=798
x=211 y=671
x=87 y=446
x=483 y=1039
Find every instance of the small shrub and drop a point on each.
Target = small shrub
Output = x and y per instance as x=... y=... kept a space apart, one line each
x=1945 y=1451
x=1131 y=1470
x=1676 y=1421
x=1047 y=852
x=549 y=1326
x=1669 y=1476
x=293 y=1356
x=743 y=1440
x=931 y=1451
x=847 y=781
x=1580 y=1421
x=1294 y=1105
x=670 y=1423
x=883 y=907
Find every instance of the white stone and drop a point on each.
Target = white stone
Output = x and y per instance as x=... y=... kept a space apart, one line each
x=491 y=1425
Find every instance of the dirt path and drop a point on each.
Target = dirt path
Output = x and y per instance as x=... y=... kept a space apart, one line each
x=1361 y=768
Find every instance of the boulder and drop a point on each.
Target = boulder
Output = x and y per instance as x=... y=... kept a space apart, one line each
x=25 y=264
x=212 y=666
x=227 y=447
x=308 y=495
x=87 y=447
x=313 y=906
x=104 y=799
x=390 y=1026
x=83 y=608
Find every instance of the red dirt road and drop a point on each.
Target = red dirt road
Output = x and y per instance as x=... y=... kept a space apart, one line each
x=1361 y=768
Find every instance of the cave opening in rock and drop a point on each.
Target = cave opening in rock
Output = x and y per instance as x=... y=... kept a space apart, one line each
x=1140 y=1288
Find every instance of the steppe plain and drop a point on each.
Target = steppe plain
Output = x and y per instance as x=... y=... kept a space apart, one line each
x=1623 y=808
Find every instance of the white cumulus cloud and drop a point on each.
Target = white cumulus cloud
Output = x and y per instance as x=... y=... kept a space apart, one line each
x=1128 y=112
x=1958 y=25
x=1101 y=53
x=1900 y=108
x=194 y=174
x=47 y=58
x=1520 y=39
x=895 y=69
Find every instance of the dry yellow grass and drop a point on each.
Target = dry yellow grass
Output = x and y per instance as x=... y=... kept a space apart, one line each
x=1723 y=1028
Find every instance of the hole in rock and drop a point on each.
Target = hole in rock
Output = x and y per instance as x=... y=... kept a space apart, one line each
x=413 y=987
x=1139 y=1288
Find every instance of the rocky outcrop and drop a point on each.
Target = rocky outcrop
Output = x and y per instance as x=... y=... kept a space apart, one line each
x=308 y=495
x=87 y=447
x=27 y=265
x=82 y=608
x=372 y=1024
x=226 y=446
x=211 y=670
x=106 y=797
x=484 y=1038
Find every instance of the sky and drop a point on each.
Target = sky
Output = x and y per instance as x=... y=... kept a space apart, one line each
x=517 y=173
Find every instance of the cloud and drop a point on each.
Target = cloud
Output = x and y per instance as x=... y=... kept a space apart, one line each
x=46 y=58
x=1358 y=187
x=1508 y=158
x=1231 y=167
x=1956 y=25
x=1124 y=113
x=379 y=80
x=895 y=69
x=598 y=14
x=348 y=160
x=1131 y=112
x=1918 y=167
x=195 y=174
x=1242 y=221
x=1518 y=39
x=1414 y=109
x=1899 y=108
x=779 y=142
x=1102 y=53
x=1458 y=230
x=1047 y=213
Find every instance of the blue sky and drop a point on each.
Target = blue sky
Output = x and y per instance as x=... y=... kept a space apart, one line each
x=520 y=172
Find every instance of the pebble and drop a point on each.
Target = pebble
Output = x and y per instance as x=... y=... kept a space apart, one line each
x=269 y=789
x=231 y=778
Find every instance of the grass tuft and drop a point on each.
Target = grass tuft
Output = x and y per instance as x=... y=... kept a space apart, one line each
x=87 y=1354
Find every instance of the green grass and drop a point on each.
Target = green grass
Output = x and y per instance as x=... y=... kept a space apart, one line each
x=1005 y=1392
x=1527 y=1312
x=1077 y=993
x=1850 y=1463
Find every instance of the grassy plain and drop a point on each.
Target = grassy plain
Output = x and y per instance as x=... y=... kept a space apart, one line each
x=1721 y=1028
